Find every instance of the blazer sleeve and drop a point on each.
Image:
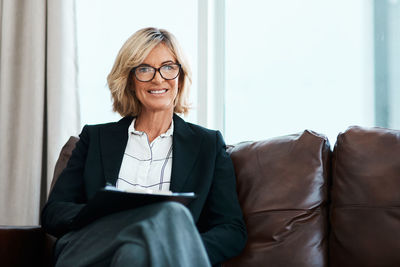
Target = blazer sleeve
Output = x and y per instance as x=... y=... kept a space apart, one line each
x=67 y=197
x=225 y=235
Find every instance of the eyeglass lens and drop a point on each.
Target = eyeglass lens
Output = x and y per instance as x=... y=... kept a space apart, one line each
x=147 y=73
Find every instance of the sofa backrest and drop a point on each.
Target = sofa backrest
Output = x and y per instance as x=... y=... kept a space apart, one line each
x=282 y=185
x=365 y=208
x=63 y=158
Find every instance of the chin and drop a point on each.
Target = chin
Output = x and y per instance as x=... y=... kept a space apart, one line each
x=160 y=108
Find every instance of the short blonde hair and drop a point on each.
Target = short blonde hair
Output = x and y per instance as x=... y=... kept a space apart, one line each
x=132 y=54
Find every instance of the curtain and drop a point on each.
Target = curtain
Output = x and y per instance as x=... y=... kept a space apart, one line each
x=39 y=106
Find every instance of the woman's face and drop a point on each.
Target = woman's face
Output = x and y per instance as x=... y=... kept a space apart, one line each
x=158 y=94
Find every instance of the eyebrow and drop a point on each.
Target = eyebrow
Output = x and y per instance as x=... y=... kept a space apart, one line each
x=168 y=61
x=165 y=62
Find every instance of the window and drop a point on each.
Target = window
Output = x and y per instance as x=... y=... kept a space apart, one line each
x=261 y=68
x=320 y=65
x=103 y=27
x=294 y=65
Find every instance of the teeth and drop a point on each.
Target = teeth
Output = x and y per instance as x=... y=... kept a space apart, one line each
x=157 y=91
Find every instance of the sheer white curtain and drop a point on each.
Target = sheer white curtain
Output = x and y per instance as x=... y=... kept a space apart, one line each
x=38 y=101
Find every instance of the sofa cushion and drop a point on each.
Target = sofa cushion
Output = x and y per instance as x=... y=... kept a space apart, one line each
x=365 y=209
x=282 y=185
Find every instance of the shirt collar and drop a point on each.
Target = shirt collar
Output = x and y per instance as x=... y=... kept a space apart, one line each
x=132 y=129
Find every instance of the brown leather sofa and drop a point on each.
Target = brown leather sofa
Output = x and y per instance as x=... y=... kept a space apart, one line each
x=303 y=204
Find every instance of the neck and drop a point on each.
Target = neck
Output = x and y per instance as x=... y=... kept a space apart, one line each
x=153 y=123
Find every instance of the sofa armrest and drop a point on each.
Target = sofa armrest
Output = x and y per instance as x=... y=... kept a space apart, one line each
x=25 y=246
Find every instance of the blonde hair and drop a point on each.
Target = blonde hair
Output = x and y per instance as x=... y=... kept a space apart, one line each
x=132 y=54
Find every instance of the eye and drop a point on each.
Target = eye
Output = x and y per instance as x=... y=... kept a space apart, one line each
x=144 y=69
x=169 y=67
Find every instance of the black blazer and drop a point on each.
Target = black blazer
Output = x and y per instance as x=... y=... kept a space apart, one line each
x=200 y=164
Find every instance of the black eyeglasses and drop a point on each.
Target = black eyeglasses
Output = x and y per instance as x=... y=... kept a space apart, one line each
x=146 y=73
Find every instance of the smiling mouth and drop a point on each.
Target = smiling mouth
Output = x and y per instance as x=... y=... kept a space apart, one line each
x=158 y=92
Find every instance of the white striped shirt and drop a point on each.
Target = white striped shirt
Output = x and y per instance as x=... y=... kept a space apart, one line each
x=146 y=165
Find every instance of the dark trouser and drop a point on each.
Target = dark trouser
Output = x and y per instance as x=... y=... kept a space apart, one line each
x=162 y=234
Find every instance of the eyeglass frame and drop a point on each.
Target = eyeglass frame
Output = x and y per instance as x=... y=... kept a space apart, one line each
x=155 y=71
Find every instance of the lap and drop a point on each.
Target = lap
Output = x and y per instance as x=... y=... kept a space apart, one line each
x=152 y=226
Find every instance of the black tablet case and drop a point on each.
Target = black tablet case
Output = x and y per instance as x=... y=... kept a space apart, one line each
x=107 y=201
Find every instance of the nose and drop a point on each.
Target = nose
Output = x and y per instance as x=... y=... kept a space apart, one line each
x=158 y=78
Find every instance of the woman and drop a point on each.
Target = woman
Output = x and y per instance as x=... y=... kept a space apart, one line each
x=151 y=147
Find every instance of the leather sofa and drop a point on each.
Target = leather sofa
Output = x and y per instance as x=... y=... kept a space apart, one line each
x=303 y=204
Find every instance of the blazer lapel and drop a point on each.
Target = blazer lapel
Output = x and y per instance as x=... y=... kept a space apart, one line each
x=113 y=142
x=185 y=149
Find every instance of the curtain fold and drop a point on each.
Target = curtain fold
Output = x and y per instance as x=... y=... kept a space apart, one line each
x=39 y=106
